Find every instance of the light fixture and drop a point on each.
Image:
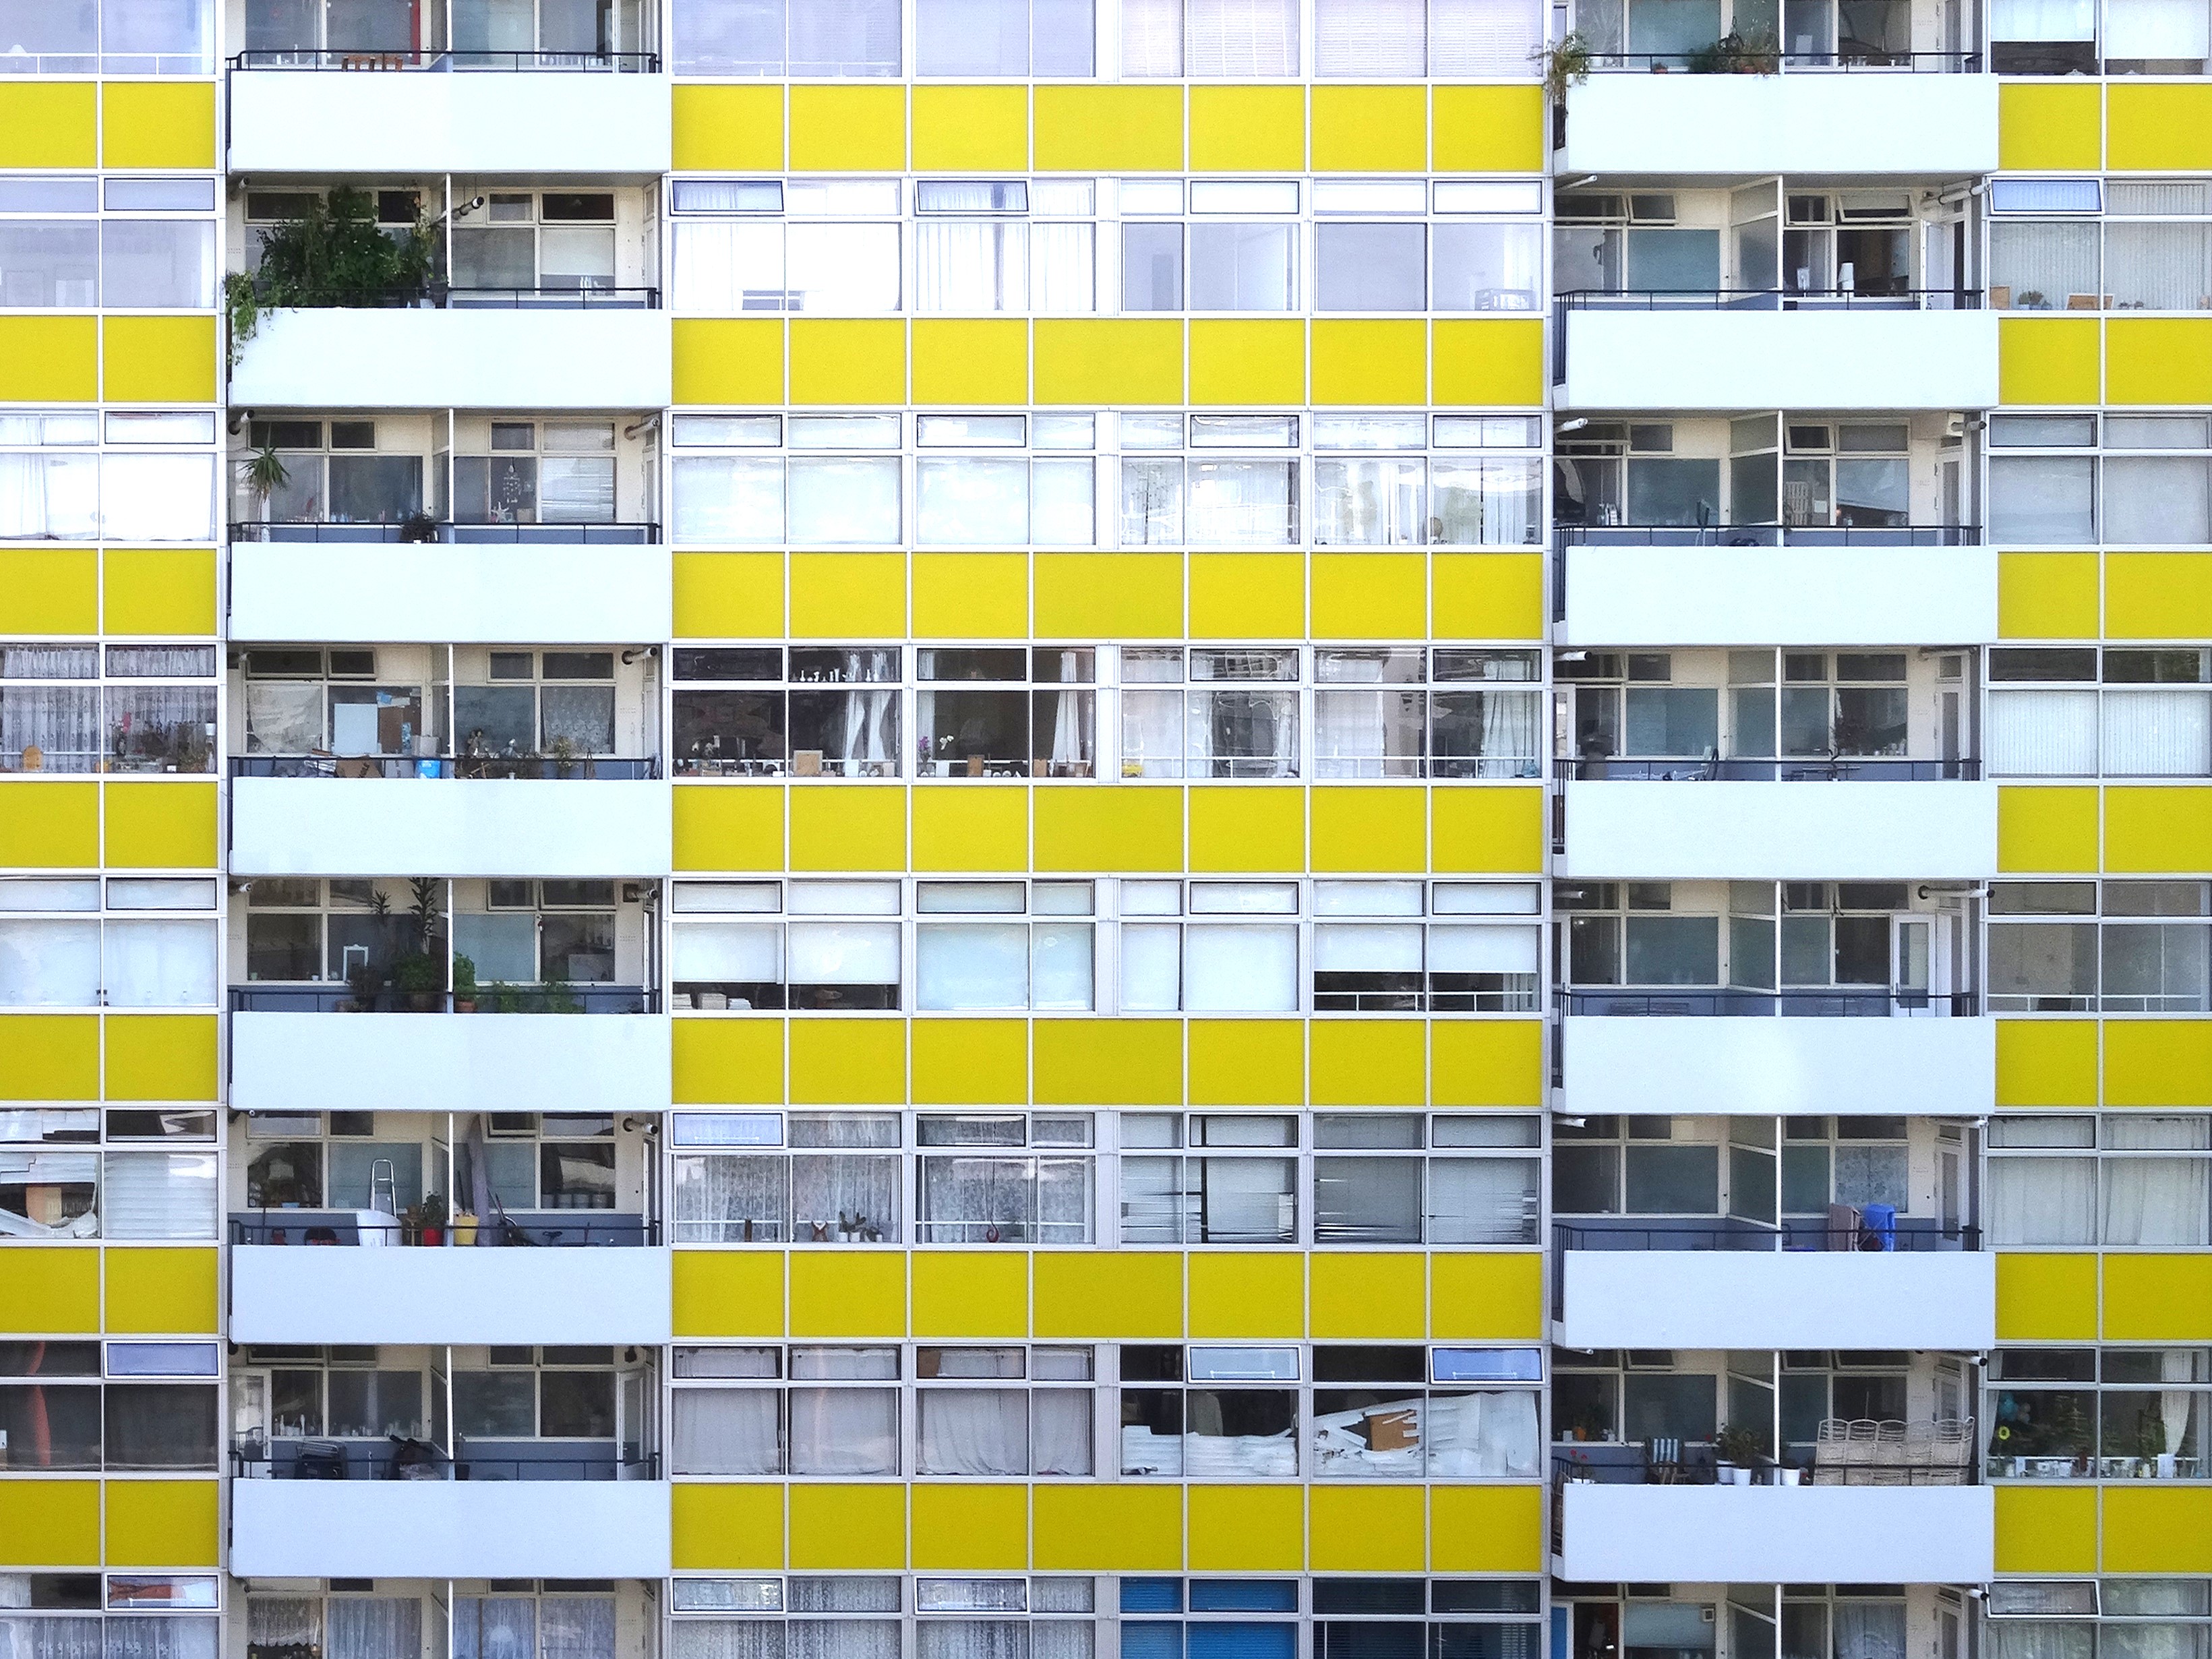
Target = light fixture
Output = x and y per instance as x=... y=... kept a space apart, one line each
x=1575 y=425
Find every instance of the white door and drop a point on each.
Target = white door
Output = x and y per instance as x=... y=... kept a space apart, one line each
x=1915 y=943
x=633 y=1425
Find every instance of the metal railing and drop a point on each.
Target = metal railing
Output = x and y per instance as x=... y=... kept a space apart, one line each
x=1837 y=768
x=444 y=296
x=1850 y=59
x=1793 y=1002
x=1767 y=535
x=601 y=768
x=1695 y=1464
x=1809 y=1236
x=555 y=1229
x=376 y=58
x=488 y=1000
x=418 y=1461
x=1768 y=298
x=424 y=529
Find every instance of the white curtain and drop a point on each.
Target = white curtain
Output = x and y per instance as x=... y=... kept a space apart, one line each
x=973 y=1432
x=495 y=1627
x=2158 y=499
x=2155 y=1200
x=2164 y=734
x=1152 y=733
x=1385 y=39
x=1243 y=503
x=62 y=722
x=844 y=1431
x=1150 y=966
x=2039 y=1639
x=139 y=1636
x=726 y=1431
x=161 y=964
x=844 y=502
x=576 y=1627
x=725 y=499
x=723 y=1638
x=1061 y=1421
x=2052 y=258
x=50 y=497
x=841 y=271
x=2042 y=1200
x=971 y=1638
x=728 y=953
x=1064 y=264
x=1486 y=503
x=285 y=1621
x=1510 y=721
x=159 y=1195
x=732 y=1199
x=1368 y=734
x=2043 y=20
x=2043 y=734
x=842 y=952
x=971 y=501
x=22 y=1638
x=971 y=965
x=283 y=717
x=1232 y=967
x=843 y=1638
x=49 y=964
x=2156 y=28
x=723 y=267
x=1870 y=1630
x=375 y=1627
x=2165 y=267
x=1483 y=1435
x=160 y=498
x=1151 y=37
x=842 y=1195
x=1243 y=39
x=971 y=266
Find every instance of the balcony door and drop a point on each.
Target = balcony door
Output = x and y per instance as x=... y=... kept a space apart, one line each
x=634 y=1395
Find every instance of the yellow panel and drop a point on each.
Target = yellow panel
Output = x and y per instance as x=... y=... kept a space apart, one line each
x=1242 y=596
x=1372 y=362
x=729 y=826
x=1370 y=129
x=843 y=1527
x=158 y=590
x=726 y=1527
x=49 y=590
x=2164 y=1529
x=1486 y=596
x=162 y=1523
x=727 y=360
x=2158 y=1298
x=1109 y=129
x=2158 y=596
x=2046 y=1298
x=1486 y=1296
x=971 y=826
x=1489 y=363
x=1489 y=128
x=1111 y=360
x=48 y=359
x=738 y=127
x=1248 y=1062
x=2153 y=128
x=1247 y=1528
x=163 y=1292
x=958 y=128
x=159 y=360
x=848 y=1293
x=2165 y=1062
x=970 y=1062
x=1238 y=1293
x=1248 y=827
x=1495 y=828
x=2046 y=1528
x=1235 y=360
x=841 y=1062
x=1247 y=128
x=47 y=124
x=972 y=1529
x=2047 y=361
x=50 y=1057
x=157 y=124
x=1107 y=1062
x=1108 y=1293
x=1485 y=1529
x=727 y=1062
x=970 y=360
x=848 y=827
x=844 y=596
x=848 y=360
x=1371 y=1062
x=2047 y=596
x=1109 y=595
x=1108 y=827
x=161 y=1057
x=52 y=1291
x=161 y=826
x=2158 y=360
x=848 y=129
x=727 y=1293
x=970 y=1293
x=1370 y=596
x=1364 y=1294
x=1368 y=1528
x=2046 y=830
x=728 y=596
x=1107 y=1528
x=2049 y=125
x=2046 y=1062
x=971 y=596
x=50 y=1523
x=2150 y=830
x=1378 y=828
x=1486 y=1062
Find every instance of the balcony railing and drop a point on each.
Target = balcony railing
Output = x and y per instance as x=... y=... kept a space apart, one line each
x=357 y=1228
x=417 y=1459
x=1711 y=61
x=444 y=296
x=586 y=767
x=1767 y=535
x=1801 y=1002
x=369 y=57
x=1836 y=769
x=1847 y=1454
x=1769 y=298
x=567 y=999
x=423 y=528
x=1909 y=1235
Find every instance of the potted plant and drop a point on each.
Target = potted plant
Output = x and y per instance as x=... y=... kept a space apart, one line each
x=1736 y=1453
x=465 y=985
x=363 y=981
x=419 y=977
x=1565 y=65
x=419 y=527
x=565 y=754
x=265 y=474
x=431 y=1217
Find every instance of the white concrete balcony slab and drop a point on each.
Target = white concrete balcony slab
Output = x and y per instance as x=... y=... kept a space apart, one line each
x=441 y=1529
x=461 y=357
x=1766 y=1066
x=1862 y=123
x=1687 y=356
x=580 y=827
x=1620 y=595
x=489 y=594
x=1776 y=1534
x=438 y=1062
x=1664 y=1297
x=589 y=1295
x=1691 y=829
x=455 y=113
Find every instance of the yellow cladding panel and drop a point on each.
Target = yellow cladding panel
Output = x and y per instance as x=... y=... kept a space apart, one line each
x=1109 y=595
x=848 y=1062
x=2047 y=596
x=1487 y=1528
x=970 y=360
x=1489 y=363
x=2047 y=361
x=50 y=1057
x=2158 y=360
x=1247 y=1528
x=48 y=359
x=1108 y=129
x=1370 y=129
x=848 y=360
x=2158 y=1298
x=1107 y=1062
x=1242 y=596
x=1247 y=828
x=1124 y=827
x=2157 y=596
x=727 y=360
x=169 y=1057
x=1248 y=1294
x=839 y=595
x=1486 y=596
x=2158 y=1062
x=1107 y=1293
x=1107 y=1528
x=2158 y=128
x=2149 y=1530
x=1247 y=128
x=1367 y=1529
x=970 y=1293
x=1369 y=829
x=50 y=1523
x=54 y=1291
x=1486 y=1296
x=47 y=124
x=1362 y=1295
x=162 y=1523
x=728 y=596
x=1372 y=361
x=2050 y=125
x=848 y=129
x=161 y=826
x=1489 y=128
x=1370 y=596
x=166 y=123
x=727 y=1293
x=2046 y=1298
x=729 y=826
x=1248 y=1062
x=2151 y=830
x=2046 y=1528
x=835 y=827
x=847 y=1293
x=49 y=824
x=971 y=826
x=970 y=1528
x=960 y=127
x=2046 y=1062
x=717 y=127
x=1486 y=1062
x=49 y=590
x=727 y=1062
x=158 y=590
x=971 y=596
x=1497 y=827
x=1373 y=1062
x=1235 y=361
x=159 y=360
x=726 y=1527
x=970 y=1062
x=841 y=1527
x=1111 y=360
x=163 y=1292
x=2046 y=830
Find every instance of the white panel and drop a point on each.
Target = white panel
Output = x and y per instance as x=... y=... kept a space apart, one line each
x=1770 y=1535
x=1860 y=124
x=1759 y=1068
x=588 y=1296
x=464 y=359
x=1779 y=1299
x=502 y=827
x=1691 y=830
x=1689 y=359
x=457 y=1528
x=1768 y=596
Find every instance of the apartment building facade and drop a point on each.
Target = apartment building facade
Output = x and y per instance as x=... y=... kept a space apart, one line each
x=1046 y=829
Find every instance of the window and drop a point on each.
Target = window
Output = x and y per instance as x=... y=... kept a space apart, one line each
x=59 y=1415
x=129 y=37
x=1373 y=953
x=533 y=703
x=992 y=958
x=809 y=500
x=55 y=486
x=1016 y=38
x=546 y=932
x=1211 y=1412
x=1209 y=499
x=984 y=246
x=1366 y=500
x=334 y=473
x=155 y=713
x=2077 y=712
x=1002 y=712
x=298 y=929
x=154 y=1180
x=2124 y=1181
x=1379 y=714
x=1000 y=500
x=314 y=1160
x=58 y=950
x=1454 y=38
x=1846 y=1160
x=530 y=241
x=2049 y=953
x=550 y=1625
x=838 y=952
x=1638 y=1166
x=1237 y=718
x=124 y=263
x=800 y=712
x=1370 y=267
x=805 y=1178
x=1403 y=1178
x=1373 y=1418
x=2160 y=494
x=974 y=1417
x=541 y=1394
x=1238 y=952
x=805 y=1410
x=1004 y=1179
x=302 y=701
x=1241 y=39
x=2080 y=1414
x=1855 y=475
x=1238 y=1184
x=801 y=39
x=539 y=473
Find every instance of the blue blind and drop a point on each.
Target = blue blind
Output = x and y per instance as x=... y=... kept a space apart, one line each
x=1152 y=1595
x=1243 y=1595
x=1152 y=1641
x=1244 y=1639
